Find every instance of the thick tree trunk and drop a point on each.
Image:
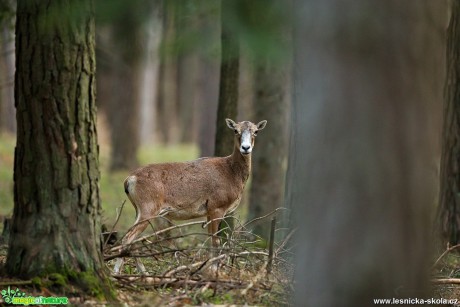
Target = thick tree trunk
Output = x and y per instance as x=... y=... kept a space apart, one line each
x=368 y=87
x=56 y=220
x=448 y=217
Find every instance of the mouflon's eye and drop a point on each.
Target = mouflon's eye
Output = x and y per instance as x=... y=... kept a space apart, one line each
x=236 y=131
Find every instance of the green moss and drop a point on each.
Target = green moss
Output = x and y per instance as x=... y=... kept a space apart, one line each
x=57 y=280
x=37 y=281
x=90 y=283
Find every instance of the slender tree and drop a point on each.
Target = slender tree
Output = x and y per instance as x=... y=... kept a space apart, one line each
x=56 y=219
x=361 y=180
x=448 y=217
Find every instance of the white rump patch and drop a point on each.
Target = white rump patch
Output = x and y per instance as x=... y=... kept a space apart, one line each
x=131 y=184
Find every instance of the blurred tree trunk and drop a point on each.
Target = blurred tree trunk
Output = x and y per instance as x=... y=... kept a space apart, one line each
x=448 y=217
x=271 y=104
x=123 y=116
x=269 y=158
x=56 y=220
x=7 y=87
x=208 y=79
x=187 y=84
x=228 y=91
x=368 y=86
x=150 y=75
x=187 y=66
x=228 y=86
x=123 y=103
x=168 y=98
x=208 y=97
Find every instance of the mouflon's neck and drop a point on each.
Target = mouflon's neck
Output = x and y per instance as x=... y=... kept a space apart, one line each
x=241 y=164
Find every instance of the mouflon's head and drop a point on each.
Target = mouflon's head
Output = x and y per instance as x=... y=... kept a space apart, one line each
x=245 y=133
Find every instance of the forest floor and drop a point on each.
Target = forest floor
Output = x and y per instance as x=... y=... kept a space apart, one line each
x=447 y=267
x=181 y=271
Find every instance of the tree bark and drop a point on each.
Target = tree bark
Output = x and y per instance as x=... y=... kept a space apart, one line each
x=168 y=96
x=8 y=122
x=123 y=103
x=270 y=103
x=228 y=86
x=56 y=219
x=269 y=158
x=368 y=87
x=448 y=216
x=228 y=92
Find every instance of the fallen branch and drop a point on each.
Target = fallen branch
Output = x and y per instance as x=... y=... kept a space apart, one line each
x=194 y=265
x=143 y=238
x=444 y=281
x=152 y=280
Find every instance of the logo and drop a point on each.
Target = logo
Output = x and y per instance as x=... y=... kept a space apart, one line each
x=17 y=297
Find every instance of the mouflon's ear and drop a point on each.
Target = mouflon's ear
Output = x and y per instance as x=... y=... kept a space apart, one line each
x=261 y=125
x=230 y=123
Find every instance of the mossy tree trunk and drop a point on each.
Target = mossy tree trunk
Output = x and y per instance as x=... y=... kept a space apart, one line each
x=56 y=220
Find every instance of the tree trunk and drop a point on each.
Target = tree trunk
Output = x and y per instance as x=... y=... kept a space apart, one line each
x=7 y=86
x=269 y=159
x=150 y=74
x=228 y=86
x=56 y=219
x=208 y=100
x=270 y=103
x=168 y=98
x=448 y=217
x=368 y=87
x=123 y=101
x=123 y=118
x=228 y=92
x=208 y=79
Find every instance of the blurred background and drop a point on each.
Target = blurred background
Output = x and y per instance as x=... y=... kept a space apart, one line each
x=158 y=78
